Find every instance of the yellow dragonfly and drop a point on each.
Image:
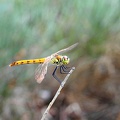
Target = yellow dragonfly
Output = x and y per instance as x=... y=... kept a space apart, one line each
x=55 y=59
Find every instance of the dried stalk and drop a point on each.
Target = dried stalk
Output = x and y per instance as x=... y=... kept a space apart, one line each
x=56 y=95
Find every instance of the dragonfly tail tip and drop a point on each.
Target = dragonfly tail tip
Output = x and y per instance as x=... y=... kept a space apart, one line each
x=10 y=65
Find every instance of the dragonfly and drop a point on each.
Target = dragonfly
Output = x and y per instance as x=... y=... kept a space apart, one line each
x=56 y=59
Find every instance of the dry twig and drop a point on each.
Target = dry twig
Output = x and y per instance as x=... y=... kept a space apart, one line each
x=57 y=93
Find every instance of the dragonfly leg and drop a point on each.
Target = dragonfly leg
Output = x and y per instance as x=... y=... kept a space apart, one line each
x=64 y=70
x=55 y=75
x=66 y=67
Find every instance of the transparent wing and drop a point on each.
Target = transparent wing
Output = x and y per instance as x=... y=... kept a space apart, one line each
x=67 y=49
x=41 y=70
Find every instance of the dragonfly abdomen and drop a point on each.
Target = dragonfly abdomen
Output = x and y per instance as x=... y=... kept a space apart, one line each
x=32 y=61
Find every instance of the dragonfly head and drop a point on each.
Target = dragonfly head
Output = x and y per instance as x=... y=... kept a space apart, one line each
x=65 y=60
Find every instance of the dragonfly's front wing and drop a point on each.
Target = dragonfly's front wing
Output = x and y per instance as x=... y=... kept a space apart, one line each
x=41 y=70
x=66 y=49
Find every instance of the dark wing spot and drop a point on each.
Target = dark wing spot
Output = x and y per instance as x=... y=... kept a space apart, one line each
x=22 y=62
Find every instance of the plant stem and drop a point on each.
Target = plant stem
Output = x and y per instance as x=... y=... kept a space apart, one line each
x=57 y=93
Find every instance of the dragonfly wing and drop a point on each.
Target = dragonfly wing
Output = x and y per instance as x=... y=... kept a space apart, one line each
x=41 y=70
x=66 y=49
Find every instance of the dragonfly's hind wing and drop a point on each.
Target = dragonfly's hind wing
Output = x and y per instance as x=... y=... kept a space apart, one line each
x=67 y=49
x=41 y=70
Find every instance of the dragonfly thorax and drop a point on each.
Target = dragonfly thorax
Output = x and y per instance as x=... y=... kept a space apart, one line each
x=60 y=60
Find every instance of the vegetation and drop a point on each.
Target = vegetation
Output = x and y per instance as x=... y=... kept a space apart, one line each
x=34 y=29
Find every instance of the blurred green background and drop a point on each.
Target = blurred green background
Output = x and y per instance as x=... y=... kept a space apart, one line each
x=35 y=29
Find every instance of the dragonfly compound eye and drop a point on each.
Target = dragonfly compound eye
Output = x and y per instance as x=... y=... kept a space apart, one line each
x=66 y=60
